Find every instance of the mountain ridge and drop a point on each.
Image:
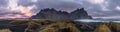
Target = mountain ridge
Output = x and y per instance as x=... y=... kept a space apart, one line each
x=53 y=14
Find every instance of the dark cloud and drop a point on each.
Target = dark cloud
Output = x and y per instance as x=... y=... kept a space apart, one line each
x=3 y=5
x=109 y=6
x=58 y=4
x=10 y=13
x=3 y=2
x=25 y=2
x=102 y=9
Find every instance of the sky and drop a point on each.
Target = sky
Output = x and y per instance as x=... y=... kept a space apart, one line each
x=26 y=8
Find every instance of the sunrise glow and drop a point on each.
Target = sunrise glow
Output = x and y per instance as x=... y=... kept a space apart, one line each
x=24 y=10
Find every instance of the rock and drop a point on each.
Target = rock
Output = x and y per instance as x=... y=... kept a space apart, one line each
x=53 y=14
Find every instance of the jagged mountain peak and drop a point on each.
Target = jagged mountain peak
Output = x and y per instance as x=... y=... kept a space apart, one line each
x=53 y=14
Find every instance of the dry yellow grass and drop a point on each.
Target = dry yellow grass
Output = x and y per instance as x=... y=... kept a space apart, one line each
x=116 y=26
x=5 y=30
x=102 y=28
x=59 y=25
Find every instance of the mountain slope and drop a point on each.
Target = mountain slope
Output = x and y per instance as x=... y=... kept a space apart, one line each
x=53 y=14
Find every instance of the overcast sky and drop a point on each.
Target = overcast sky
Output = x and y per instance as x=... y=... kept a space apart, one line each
x=27 y=8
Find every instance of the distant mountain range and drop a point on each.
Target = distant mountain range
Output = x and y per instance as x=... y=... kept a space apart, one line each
x=52 y=14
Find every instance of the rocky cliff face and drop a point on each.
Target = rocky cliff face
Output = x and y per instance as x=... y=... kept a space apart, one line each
x=52 y=14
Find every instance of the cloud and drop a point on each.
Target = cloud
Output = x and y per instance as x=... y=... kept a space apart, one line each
x=95 y=8
x=118 y=8
x=96 y=1
x=9 y=14
x=58 y=4
x=105 y=8
x=3 y=2
x=26 y=2
x=13 y=10
x=3 y=5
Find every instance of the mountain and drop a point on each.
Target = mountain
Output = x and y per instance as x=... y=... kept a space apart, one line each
x=53 y=14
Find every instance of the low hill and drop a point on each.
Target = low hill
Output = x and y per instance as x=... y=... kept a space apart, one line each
x=42 y=25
